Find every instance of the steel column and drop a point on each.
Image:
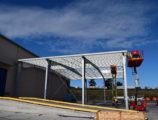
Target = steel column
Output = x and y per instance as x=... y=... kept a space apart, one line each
x=125 y=82
x=17 y=83
x=104 y=93
x=83 y=81
x=48 y=67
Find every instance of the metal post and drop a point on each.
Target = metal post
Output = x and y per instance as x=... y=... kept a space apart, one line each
x=86 y=97
x=136 y=87
x=17 y=83
x=83 y=81
x=125 y=82
x=46 y=78
x=104 y=93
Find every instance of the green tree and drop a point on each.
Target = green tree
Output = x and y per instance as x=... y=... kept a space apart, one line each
x=146 y=88
x=108 y=83
x=92 y=82
x=119 y=83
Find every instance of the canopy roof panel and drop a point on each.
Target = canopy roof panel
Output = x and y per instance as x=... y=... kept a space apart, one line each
x=70 y=66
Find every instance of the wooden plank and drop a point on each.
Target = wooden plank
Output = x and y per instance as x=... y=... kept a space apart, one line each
x=132 y=116
x=110 y=115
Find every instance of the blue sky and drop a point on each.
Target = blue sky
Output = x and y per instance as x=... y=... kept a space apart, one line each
x=63 y=27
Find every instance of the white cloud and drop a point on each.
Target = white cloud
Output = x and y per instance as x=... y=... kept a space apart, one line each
x=84 y=23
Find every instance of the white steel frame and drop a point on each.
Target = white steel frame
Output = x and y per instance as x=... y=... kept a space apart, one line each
x=84 y=66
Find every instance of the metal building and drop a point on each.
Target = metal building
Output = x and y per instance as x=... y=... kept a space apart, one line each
x=22 y=73
x=82 y=67
x=31 y=77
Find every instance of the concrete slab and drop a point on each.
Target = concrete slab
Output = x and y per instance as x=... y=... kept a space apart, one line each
x=14 y=110
x=152 y=111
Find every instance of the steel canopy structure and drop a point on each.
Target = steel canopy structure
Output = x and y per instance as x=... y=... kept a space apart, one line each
x=83 y=66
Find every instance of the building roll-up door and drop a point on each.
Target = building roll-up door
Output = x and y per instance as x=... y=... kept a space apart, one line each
x=3 y=75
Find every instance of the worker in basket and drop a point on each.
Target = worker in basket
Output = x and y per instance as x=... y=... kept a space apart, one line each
x=134 y=54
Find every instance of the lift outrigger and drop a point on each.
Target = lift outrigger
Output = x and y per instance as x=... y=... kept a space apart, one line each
x=135 y=59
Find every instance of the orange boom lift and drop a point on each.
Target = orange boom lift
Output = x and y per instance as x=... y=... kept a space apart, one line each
x=113 y=69
x=135 y=59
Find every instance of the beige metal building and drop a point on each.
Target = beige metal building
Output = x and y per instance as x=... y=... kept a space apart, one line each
x=30 y=81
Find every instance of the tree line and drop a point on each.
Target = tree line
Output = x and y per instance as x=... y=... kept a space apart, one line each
x=107 y=83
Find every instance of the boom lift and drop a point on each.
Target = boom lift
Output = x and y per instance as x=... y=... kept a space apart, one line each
x=114 y=85
x=135 y=59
